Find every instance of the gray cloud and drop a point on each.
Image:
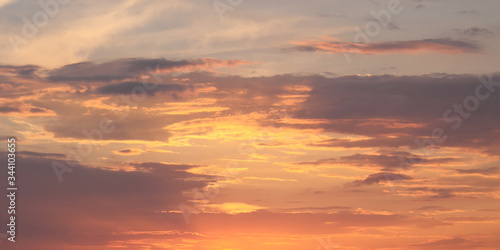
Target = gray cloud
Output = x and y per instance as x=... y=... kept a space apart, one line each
x=455 y=243
x=8 y=109
x=23 y=71
x=374 y=105
x=129 y=68
x=31 y=153
x=136 y=126
x=475 y=31
x=393 y=111
x=486 y=171
x=93 y=205
x=381 y=177
x=388 y=161
x=437 y=45
x=127 y=88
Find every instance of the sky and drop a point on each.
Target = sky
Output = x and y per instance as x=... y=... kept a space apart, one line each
x=237 y=124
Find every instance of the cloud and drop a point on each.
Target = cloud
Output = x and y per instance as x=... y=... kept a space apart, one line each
x=94 y=204
x=129 y=88
x=439 y=45
x=381 y=177
x=389 y=161
x=263 y=221
x=20 y=109
x=234 y=207
x=455 y=243
x=434 y=208
x=433 y=193
x=7 y=109
x=132 y=127
x=124 y=69
x=486 y=171
x=421 y=4
x=26 y=71
x=377 y=141
x=475 y=31
x=129 y=151
x=386 y=110
x=37 y=110
x=397 y=111
x=469 y=12
x=38 y=154
x=99 y=207
x=305 y=209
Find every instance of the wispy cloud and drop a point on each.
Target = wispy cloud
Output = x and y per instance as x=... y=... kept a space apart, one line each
x=439 y=45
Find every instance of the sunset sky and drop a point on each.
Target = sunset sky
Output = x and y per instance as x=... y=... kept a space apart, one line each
x=242 y=125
